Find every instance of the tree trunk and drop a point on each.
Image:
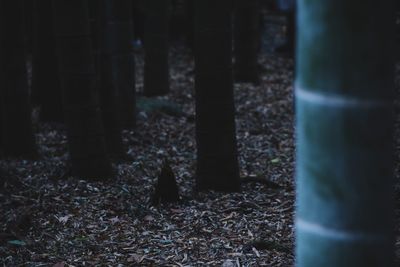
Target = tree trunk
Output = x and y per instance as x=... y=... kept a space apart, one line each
x=190 y=24
x=138 y=19
x=344 y=95
x=77 y=73
x=28 y=25
x=116 y=61
x=246 y=36
x=45 y=80
x=156 y=69
x=217 y=163
x=17 y=135
x=94 y=26
x=116 y=68
x=123 y=61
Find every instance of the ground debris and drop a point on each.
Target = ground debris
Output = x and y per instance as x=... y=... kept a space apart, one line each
x=76 y=222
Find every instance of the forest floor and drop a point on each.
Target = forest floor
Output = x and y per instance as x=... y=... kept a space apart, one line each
x=51 y=219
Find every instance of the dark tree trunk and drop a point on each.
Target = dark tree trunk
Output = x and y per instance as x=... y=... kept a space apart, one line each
x=77 y=73
x=93 y=23
x=28 y=25
x=120 y=30
x=156 y=69
x=190 y=23
x=116 y=69
x=291 y=32
x=138 y=19
x=246 y=36
x=217 y=163
x=45 y=80
x=17 y=135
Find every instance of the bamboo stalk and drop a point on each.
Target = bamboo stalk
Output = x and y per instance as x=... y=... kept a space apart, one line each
x=344 y=94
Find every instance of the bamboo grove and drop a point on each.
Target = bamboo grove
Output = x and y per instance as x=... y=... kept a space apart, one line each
x=83 y=77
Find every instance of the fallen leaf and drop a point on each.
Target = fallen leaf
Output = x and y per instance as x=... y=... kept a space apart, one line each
x=135 y=258
x=176 y=210
x=148 y=218
x=114 y=220
x=17 y=242
x=64 y=219
x=275 y=160
x=256 y=252
x=228 y=263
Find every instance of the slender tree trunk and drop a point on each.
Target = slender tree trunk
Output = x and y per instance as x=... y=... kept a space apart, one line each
x=246 y=36
x=77 y=73
x=156 y=69
x=116 y=69
x=344 y=94
x=45 y=80
x=94 y=26
x=190 y=23
x=217 y=163
x=28 y=25
x=17 y=135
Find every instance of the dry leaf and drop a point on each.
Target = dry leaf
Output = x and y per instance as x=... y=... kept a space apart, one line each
x=64 y=219
x=148 y=218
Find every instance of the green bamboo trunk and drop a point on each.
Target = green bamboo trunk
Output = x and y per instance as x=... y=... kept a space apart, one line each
x=344 y=94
